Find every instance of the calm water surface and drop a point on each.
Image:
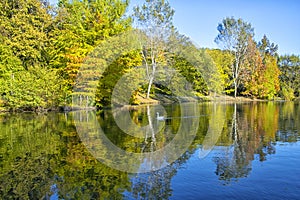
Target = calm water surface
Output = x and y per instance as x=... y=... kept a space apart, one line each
x=242 y=151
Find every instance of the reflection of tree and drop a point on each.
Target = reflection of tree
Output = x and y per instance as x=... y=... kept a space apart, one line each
x=151 y=131
x=289 y=122
x=150 y=143
x=235 y=163
x=155 y=184
x=253 y=129
x=159 y=146
x=42 y=156
x=151 y=136
x=25 y=154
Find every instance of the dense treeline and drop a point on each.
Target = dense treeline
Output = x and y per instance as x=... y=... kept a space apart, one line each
x=42 y=48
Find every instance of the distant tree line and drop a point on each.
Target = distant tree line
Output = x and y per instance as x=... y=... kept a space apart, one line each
x=42 y=48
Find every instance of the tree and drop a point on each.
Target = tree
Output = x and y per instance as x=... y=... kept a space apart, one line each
x=260 y=75
x=253 y=72
x=27 y=81
x=24 y=26
x=154 y=19
x=194 y=64
x=234 y=36
x=268 y=52
x=290 y=76
x=266 y=47
x=191 y=74
x=272 y=73
x=112 y=74
x=9 y=65
x=80 y=26
x=223 y=61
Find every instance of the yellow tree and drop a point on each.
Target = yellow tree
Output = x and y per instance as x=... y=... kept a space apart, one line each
x=271 y=83
x=253 y=73
x=260 y=75
x=223 y=61
x=80 y=26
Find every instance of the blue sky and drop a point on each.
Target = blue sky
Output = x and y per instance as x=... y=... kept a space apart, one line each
x=278 y=19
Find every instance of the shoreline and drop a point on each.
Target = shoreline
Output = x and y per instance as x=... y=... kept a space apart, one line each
x=158 y=99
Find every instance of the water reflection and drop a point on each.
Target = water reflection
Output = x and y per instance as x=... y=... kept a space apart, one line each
x=42 y=156
x=254 y=131
x=159 y=147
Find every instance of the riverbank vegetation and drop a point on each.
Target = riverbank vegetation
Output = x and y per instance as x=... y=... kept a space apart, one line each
x=42 y=48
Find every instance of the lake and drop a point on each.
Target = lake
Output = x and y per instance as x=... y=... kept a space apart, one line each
x=191 y=151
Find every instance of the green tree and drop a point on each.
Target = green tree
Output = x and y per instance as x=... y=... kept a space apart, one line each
x=290 y=76
x=113 y=73
x=33 y=89
x=80 y=26
x=234 y=36
x=191 y=74
x=24 y=26
x=266 y=47
x=27 y=81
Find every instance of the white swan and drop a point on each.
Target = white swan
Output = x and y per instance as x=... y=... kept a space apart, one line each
x=159 y=117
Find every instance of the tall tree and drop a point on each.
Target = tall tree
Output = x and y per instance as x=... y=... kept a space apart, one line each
x=154 y=19
x=234 y=36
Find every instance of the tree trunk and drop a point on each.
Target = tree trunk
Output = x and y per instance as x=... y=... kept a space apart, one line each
x=236 y=74
x=149 y=87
